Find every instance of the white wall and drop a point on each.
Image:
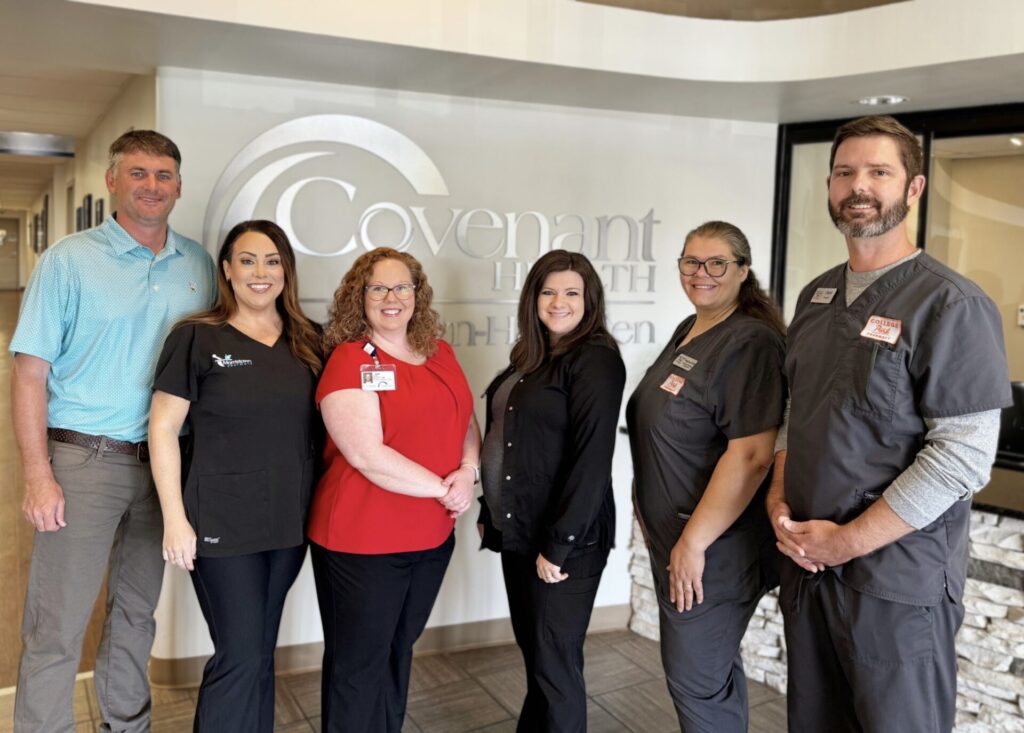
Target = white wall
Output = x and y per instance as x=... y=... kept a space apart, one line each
x=439 y=155
x=134 y=108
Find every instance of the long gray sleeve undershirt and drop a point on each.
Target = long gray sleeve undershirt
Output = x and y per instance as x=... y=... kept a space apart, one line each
x=957 y=457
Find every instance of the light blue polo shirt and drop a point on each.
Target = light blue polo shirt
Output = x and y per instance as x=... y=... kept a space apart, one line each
x=98 y=308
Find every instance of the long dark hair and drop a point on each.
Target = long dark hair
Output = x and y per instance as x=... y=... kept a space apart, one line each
x=301 y=334
x=533 y=349
x=753 y=300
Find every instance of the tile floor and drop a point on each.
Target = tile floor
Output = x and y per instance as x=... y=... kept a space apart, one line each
x=477 y=690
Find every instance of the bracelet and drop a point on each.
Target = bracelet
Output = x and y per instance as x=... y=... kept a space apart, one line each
x=476 y=471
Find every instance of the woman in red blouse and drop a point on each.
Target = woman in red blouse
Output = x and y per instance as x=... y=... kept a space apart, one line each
x=400 y=466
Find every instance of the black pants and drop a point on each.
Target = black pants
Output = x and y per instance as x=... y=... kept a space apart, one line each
x=550 y=623
x=859 y=664
x=242 y=598
x=373 y=608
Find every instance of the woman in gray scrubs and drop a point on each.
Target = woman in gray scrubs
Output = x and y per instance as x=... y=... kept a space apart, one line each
x=702 y=426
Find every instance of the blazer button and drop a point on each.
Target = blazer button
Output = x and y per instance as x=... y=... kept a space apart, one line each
x=572 y=538
x=508 y=478
x=508 y=445
x=510 y=408
x=508 y=516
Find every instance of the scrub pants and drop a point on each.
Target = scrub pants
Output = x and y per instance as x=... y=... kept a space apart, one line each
x=859 y=663
x=112 y=512
x=550 y=623
x=242 y=598
x=373 y=608
x=700 y=651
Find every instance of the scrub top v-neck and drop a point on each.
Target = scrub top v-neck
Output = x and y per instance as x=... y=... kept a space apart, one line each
x=726 y=383
x=250 y=463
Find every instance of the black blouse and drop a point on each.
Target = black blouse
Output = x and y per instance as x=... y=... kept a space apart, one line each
x=559 y=432
x=248 y=472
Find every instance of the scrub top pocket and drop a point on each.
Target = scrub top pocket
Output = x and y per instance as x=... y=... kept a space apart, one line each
x=869 y=379
x=234 y=508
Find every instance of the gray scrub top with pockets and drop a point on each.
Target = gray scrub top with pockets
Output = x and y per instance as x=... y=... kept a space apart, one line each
x=921 y=342
x=732 y=386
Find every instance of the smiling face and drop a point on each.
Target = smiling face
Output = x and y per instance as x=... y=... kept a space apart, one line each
x=391 y=315
x=868 y=191
x=255 y=272
x=146 y=188
x=712 y=294
x=560 y=305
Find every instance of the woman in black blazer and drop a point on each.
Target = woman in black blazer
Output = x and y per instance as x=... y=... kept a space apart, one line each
x=546 y=462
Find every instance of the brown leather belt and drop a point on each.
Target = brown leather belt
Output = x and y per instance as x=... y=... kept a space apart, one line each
x=94 y=442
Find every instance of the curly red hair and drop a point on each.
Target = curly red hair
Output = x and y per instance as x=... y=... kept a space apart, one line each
x=347 y=317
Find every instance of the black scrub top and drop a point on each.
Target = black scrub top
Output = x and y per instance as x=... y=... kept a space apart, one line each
x=248 y=469
x=732 y=386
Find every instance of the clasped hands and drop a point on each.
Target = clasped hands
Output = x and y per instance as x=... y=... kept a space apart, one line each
x=459 y=483
x=813 y=545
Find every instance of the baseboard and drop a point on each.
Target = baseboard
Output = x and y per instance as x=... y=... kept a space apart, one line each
x=187 y=672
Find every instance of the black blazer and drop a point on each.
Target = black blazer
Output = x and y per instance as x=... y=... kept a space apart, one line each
x=559 y=430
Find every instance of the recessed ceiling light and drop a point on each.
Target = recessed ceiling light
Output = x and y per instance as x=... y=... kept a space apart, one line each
x=883 y=100
x=1016 y=141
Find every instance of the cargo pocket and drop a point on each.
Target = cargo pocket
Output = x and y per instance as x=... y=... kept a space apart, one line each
x=234 y=509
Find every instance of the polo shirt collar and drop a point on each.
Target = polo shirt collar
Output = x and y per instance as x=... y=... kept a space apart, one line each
x=122 y=242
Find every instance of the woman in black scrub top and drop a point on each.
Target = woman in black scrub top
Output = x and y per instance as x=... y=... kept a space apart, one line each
x=702 y=425
x=242 y=376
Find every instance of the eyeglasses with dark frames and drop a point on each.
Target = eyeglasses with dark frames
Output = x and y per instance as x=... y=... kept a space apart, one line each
x=402 y=291
x=713 y=266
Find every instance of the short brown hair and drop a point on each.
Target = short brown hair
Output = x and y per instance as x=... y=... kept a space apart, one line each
x=910 y=149
x=347 y=317
x=144 y=141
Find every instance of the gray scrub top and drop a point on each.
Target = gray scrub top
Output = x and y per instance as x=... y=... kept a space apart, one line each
x=732 y=386
x=921 y=342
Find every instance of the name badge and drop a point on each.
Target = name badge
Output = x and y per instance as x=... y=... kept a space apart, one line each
x=378 y=377
x=684 y=362
x=673 y=384
x=883 y=329
x=823 y=295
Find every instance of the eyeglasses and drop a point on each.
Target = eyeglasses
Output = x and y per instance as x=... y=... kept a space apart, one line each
x=402 y=291
x=714 y=267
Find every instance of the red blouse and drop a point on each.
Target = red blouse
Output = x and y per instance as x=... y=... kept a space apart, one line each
x=425 y=419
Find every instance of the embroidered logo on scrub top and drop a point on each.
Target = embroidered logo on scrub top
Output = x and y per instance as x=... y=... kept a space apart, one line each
x=227 y=362
x=823 y=295
x=684 y=362
x=673 y=384
x=884 y=329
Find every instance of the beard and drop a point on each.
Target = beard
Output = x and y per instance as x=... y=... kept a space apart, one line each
x=883 y=222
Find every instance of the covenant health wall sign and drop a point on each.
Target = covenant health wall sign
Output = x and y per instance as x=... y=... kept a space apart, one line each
x=492 y=249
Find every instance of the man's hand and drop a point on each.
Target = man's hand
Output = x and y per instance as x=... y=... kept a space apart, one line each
x=685 y=575
x=789 y=543
x=460 y=483
x=821 y=542
x=43 y=505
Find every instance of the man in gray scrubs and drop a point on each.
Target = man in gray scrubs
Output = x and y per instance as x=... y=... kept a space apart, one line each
x=897 y=371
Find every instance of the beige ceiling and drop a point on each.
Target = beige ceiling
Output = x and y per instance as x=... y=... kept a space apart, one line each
x=41 y=97
x=744 y=9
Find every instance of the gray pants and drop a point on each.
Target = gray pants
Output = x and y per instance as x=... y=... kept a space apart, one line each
x=112 y=511
x=700 y=650
x=861 y=664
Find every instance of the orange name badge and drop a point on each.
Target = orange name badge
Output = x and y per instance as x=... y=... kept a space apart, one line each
x=673 y=384
x=883 y=329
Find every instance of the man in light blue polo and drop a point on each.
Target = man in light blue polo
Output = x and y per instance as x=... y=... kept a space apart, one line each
x=93 y=319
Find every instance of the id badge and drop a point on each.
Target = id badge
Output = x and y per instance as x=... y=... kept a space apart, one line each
x=378 y=377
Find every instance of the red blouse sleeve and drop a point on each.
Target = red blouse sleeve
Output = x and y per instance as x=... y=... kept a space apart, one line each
x=342 y=370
